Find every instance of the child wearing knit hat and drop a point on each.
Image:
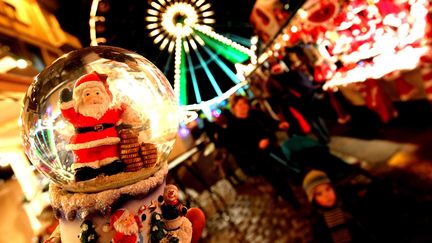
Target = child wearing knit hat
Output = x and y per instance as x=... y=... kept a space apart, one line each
x=338 y=225
x=318 y=189
x=321 y=194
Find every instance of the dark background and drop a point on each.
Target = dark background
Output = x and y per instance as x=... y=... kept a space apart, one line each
x=125 y=27
x=232 y=16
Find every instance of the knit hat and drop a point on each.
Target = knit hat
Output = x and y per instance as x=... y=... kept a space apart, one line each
x=92 y=79
x=313 y=179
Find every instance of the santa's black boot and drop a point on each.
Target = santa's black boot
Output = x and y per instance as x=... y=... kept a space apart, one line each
x=114 y=167
x=85 y=173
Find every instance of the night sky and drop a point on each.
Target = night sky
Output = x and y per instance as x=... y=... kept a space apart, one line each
x=125 y=27
x=231 y=17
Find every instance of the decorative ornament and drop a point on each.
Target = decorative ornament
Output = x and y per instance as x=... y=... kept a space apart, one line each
x=198 y=220
x=142 y=209
x=126 y=227
x=84 y=214
x=148 y=154
x=172 y=209
x=129 y=149
x=157 y=228
x=88 y=232
x=322 y=12
x=88 y=115
x=153 y=205
x=388 y=7
x=54 y=237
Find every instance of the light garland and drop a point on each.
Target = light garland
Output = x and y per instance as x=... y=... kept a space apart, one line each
x=205 y=30
x=177 y=63
x=406 y=59
x=216 y=100
x=177 y=18
x=92 y=23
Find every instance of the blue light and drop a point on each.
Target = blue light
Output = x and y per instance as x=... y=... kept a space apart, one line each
x=209 y=74
x=222 y=65
x=194 y=80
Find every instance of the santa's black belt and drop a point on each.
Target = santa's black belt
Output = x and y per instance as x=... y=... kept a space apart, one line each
x=95 y=128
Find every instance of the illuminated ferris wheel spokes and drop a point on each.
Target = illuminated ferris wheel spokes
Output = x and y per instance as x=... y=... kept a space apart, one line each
x=169 y=20
x=182 y=30
x=182 y=27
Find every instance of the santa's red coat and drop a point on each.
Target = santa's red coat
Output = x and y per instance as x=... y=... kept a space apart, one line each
x=122 y=238
x=93 y=139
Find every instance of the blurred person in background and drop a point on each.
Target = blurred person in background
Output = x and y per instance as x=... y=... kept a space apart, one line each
x=249 y=135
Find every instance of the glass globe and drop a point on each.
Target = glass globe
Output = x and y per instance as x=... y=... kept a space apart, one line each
x=75 y=111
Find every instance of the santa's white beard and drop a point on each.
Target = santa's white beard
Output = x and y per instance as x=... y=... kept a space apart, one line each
x=126 y=230
x=94 y=110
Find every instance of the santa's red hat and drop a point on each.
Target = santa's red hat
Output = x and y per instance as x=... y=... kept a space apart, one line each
x=92 y=79
x=117 y=219
x=116 y=216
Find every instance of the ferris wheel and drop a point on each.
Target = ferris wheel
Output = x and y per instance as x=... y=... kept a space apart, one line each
x=200 y=62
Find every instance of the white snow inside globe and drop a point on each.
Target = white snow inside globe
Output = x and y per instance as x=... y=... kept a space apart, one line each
x=98 y=112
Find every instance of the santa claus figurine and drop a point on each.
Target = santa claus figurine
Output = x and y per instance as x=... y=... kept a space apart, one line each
x=88 y=108
x=126 y=226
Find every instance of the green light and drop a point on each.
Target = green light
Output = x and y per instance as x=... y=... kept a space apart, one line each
x=231 y=54
x=209 y=74
x=183 y=78
x=222 y=65
x=194 y=80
